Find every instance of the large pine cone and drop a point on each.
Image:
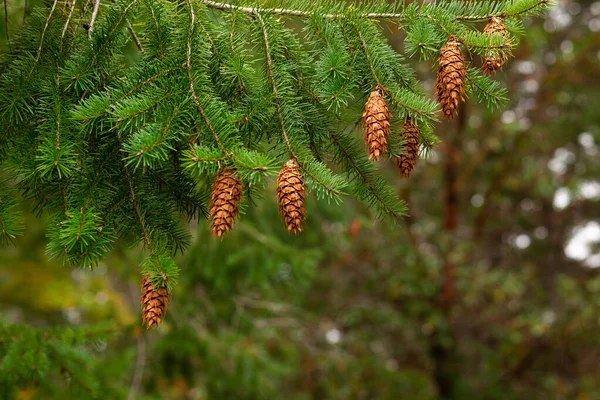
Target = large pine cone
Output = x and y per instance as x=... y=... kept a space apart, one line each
x=407 y=161
x=376 y=124
x=495 y=59
x=225 y=200
x=291 y=195
x=154 y=303
x=451 y=77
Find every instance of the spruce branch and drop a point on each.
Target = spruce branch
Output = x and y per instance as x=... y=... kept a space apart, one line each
x=350 y=158
x=274 y=85
x=291 y=12
x=188 y=66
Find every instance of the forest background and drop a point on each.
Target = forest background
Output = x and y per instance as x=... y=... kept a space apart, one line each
x=490 y=294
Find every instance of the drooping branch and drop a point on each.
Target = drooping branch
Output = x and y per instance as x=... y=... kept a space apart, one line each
x=194 y=94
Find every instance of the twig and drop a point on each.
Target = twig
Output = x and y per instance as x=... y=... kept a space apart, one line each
x=94 y=16
x=6 y=21
x=364 y=178
x=290 y=12
x=134 y=36
x=364 y=46
x=39 y=52
x=25 y=12
x=62 y=36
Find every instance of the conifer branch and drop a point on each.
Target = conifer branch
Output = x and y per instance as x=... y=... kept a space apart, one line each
x=270 y=74
x=273 y=84
x=291 y=12
x=134 y=201
x=364 y=178
x=364 y=46
x=195 y=99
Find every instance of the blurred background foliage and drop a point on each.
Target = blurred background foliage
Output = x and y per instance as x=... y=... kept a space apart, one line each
x=490 y=290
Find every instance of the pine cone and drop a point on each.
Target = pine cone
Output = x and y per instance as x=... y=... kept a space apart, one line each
x=226 y=197
x=376 y=124
x=407 y=161
x=291 y=195
x=495 y=59
x=154 y=303
x=451 y=77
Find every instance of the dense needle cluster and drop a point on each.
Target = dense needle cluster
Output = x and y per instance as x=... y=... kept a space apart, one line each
x=376 y=124
x=291 y=195
x=407 y=161
x=225 y=200
x=451 y=77
x=495 y=59
x=154 y=303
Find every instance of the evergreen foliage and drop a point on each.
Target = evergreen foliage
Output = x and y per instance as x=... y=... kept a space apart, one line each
x=111 y=147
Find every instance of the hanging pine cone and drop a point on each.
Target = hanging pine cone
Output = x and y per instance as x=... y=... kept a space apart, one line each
x=154 y=303
x=291 y=195
x=407 y=161
x=225 y=200
x=451 y=77
x=495 y=59
x=376 y=124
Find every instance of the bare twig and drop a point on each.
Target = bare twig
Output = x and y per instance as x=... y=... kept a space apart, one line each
x=62 y=36
x=25 y=12
x=134 y=36
x=39 y=51
x=94 y=16
x=294 y=13
x=6 y=21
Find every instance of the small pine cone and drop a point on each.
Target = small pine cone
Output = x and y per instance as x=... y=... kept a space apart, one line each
x=225 y=200
x=291 y=195
x=495 y=59
x=376 y=124
x=451 y=77
x=154 y=303
x=407 y=161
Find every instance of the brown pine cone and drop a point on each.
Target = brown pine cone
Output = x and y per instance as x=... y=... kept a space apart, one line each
x=407 y=161
x=451 y=77
x=495 y=59
x=376 y=124
x=225 y=200
x=154 y=303
x=291 y=195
